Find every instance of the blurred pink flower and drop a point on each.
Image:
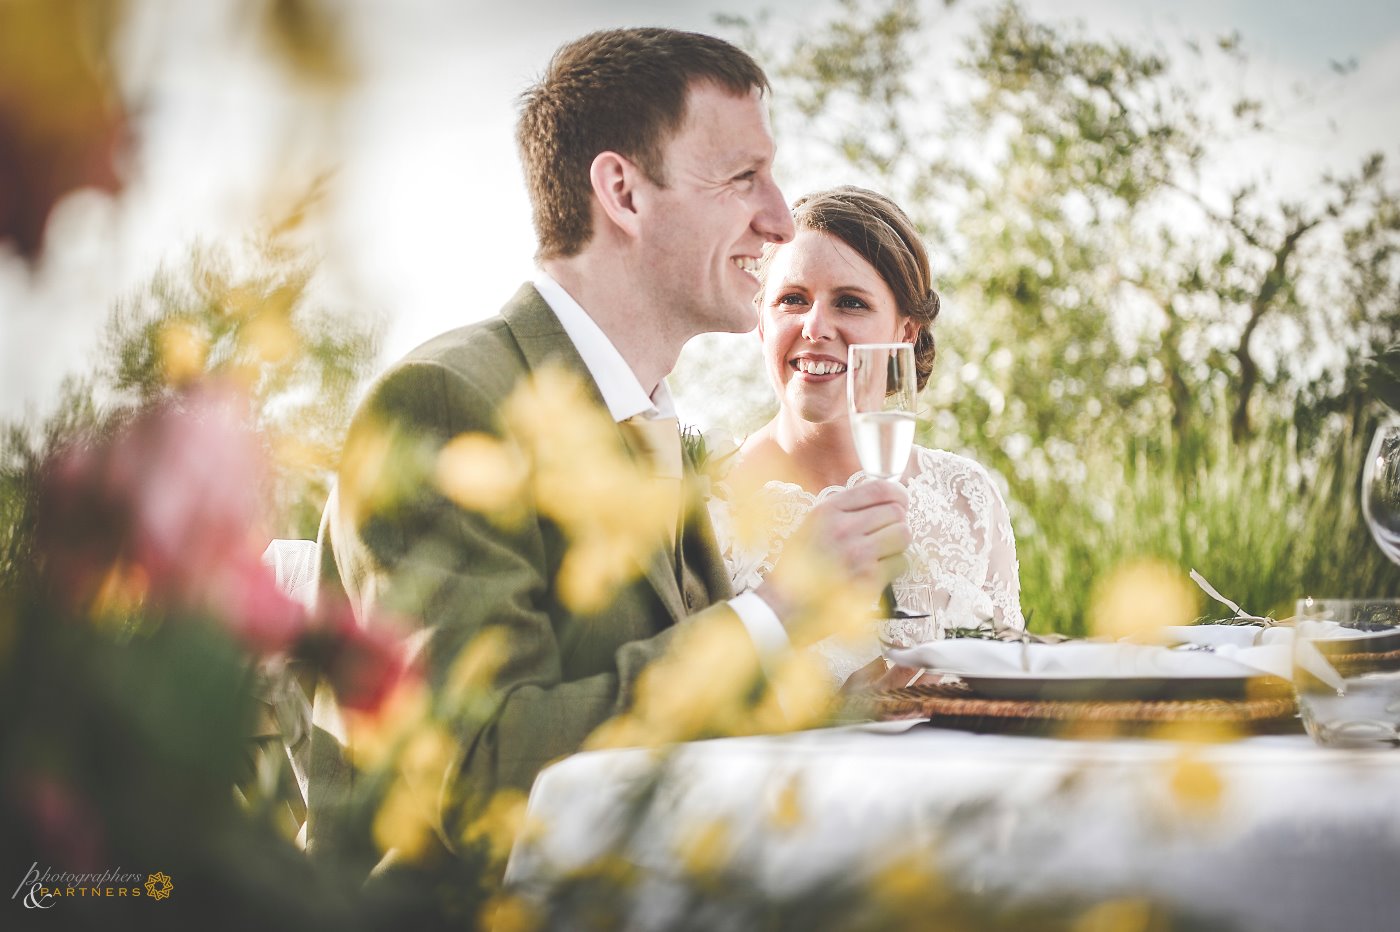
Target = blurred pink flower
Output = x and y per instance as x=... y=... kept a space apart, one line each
x=194 y=473
x=66 y=828
x=363 y=663
x=256 y=609
x=168 y=504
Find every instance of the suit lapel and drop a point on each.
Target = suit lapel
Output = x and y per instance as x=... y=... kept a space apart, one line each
x=700 y=550
x=543 y=341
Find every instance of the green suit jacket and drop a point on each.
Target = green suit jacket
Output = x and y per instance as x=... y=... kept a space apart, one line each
x=456 y=573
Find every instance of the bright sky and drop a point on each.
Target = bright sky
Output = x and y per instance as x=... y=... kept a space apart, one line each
x=429 y=224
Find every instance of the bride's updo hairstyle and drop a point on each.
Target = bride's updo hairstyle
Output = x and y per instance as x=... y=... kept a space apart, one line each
x=883 y=235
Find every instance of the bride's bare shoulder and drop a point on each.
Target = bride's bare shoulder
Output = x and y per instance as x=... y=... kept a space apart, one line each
x=760 y=459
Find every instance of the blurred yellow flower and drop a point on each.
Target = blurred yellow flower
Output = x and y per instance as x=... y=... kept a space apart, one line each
x=1122 y=915
x=498 y=825
x=310 y=39
x=906 y=882
x=380 y=466
x=799 y=695
x=183 y=350
x=507 y=912
x=62 y=123
x=426 y=754
x=407 y=820
x=121 y=591
x=298 y=454
x=702 y=685
x=705 y=848
x=1197 y=731
x=784 y=808
x=833 y=606
x=753 y=513
x=373 y=738
x=474 y=669
x=1137 y=600
x=615 y=515
x=270 y=338
x=1195 y=784
x=240 y=301
x=615 y=869
x=245 y=374
x=481 y=473
x=553 y=414
x=593 y=570
x=620 y=731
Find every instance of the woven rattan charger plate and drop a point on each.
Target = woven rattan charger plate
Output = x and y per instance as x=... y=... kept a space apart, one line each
x=951 y=705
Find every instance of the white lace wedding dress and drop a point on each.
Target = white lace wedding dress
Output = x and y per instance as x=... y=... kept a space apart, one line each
x=963 y=549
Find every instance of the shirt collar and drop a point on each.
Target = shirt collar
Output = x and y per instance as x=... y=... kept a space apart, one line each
x=621 y=390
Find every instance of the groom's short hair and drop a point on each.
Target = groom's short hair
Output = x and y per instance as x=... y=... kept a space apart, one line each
x=618 y=90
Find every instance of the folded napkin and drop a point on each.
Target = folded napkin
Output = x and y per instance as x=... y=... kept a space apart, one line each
x=1092 y=660
x=1228 y=635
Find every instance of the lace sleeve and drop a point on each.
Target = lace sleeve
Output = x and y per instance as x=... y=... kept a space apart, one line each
x=746 y=568
x=963 y=542
x=1003 y=579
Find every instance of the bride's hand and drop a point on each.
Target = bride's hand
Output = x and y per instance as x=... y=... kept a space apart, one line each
x=863 y=530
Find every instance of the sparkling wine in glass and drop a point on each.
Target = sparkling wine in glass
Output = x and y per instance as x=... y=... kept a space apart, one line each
x=880 y=385
x=1380 y=489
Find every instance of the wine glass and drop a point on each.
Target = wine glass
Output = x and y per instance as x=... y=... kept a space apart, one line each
x=880 y=385
x=1380 y=489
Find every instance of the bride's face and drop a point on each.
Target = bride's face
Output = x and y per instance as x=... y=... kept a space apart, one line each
x=819 y=297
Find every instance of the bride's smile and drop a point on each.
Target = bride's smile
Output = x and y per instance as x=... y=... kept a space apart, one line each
x=820 y=297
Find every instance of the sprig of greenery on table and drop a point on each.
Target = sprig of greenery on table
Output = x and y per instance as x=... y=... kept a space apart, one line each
x=1383 y=377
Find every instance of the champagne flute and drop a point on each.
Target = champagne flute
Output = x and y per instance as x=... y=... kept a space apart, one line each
x=1380 y=489
x=880 y=384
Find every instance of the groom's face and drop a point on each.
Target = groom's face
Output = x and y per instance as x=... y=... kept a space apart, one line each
x=705 y=227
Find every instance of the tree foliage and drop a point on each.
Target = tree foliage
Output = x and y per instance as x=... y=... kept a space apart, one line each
x=246 y=315
x=1118 y=284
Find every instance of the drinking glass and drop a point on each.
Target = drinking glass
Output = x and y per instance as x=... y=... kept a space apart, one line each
x=1380 y=489
x=880 y=385
x=1346 y=671
x=918 y=616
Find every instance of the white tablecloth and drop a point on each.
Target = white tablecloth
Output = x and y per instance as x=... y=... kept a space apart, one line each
x=1261 y=833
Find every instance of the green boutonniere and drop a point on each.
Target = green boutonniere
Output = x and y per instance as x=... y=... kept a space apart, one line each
x=710 y=453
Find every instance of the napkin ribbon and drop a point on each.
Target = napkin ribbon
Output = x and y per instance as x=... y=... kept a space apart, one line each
x=1240 y=613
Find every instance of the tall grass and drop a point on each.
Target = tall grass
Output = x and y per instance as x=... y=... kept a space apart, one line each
x=1265 y=522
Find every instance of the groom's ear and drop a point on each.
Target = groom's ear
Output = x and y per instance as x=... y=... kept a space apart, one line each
x=614 y=180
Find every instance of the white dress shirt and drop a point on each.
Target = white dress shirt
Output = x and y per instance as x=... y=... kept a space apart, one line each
x=625 y=397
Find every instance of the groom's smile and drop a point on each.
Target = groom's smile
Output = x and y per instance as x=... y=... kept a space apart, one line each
x=706 y=225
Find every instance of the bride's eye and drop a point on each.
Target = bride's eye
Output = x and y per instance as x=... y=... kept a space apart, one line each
x=792 y=300
x=852 y=302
